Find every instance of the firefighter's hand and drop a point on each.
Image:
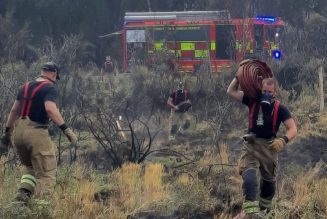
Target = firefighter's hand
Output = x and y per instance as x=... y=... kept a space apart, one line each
x=176 y=108
x=71 y=136
x=6 y=138
x=277 y=144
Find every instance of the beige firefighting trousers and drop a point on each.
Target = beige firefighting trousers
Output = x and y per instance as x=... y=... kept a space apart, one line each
x=176 y=120
x=37 y=153
x=257 y=155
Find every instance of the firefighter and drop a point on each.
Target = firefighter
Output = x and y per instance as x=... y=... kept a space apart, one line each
x=261 y=145
x=108 y=67
x=28 y=121
x=179 y=102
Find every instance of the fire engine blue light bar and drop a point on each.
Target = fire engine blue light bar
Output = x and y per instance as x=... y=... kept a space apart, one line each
x=277 y=54
x=270 y=19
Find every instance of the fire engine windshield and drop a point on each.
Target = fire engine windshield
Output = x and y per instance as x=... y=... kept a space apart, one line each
x=133 y=36
x=135 y=46
x=273 y=33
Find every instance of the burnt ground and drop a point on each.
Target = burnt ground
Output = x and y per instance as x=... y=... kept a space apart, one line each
x=302 y=151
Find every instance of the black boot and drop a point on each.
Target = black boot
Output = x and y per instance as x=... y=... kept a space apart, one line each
x=23 y=196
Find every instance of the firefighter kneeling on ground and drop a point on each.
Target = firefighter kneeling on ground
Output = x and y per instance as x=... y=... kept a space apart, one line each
x=180 y=103
x=28 y=121
x=261 y=146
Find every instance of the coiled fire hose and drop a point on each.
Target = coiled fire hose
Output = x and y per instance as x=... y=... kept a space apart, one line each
x=250 y=75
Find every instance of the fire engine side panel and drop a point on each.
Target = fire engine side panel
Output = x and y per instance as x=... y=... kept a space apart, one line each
x=187 y=43
x=191 y=45
x=212 y=42
x=194 y=42
x=239 y=42
x=248 y=38
x=184 y=38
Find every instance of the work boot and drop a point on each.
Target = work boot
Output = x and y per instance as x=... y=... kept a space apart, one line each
x=250 y=210
x=171 y=138
x=181 y=131
x=23 y=196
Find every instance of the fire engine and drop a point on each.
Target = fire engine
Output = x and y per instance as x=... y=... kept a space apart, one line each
x=196 y=37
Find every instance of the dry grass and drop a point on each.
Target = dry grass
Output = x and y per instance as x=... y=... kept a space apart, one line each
x=224 y=153
x=154 y=188
x=184 y=179
x=307 y=198
x=141 y=188
x=304 y=108
x=8 y=180
x=212 y=156
x=302 y=186
x=129 y=186
x=136 y=189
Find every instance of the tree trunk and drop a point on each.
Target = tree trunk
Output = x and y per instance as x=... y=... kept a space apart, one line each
x=321 y=89
x=149 y=5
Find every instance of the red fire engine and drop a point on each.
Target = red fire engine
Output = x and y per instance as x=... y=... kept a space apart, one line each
x=196 y=37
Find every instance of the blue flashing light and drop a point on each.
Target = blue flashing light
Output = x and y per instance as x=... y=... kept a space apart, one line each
x=277 y=54
x=269 y=19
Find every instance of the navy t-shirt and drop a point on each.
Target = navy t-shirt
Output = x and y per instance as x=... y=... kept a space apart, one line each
x=108 y=67
x=46 y=93
x=265 y=131
x=179 y=96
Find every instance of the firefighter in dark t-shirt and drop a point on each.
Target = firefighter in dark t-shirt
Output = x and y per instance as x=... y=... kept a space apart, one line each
x=179 y=101
x=108 y=67
x=261 y=145
x=28 y=121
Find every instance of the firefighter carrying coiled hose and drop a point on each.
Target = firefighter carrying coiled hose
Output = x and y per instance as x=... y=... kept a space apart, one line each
x=261 y=145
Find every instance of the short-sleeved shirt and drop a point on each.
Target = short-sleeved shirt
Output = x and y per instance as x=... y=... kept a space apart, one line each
x=108 y=67
x=265 y=131
x=46 y=93
x=179 y=96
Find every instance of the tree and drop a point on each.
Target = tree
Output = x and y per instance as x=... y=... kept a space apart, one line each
x=111 y=136
x=128 y=141
x=13 y=39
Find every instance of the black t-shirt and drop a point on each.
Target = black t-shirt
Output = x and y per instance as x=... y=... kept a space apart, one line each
x=179 y=96
x=45 y=93
x=108 y=67
x=265 y=131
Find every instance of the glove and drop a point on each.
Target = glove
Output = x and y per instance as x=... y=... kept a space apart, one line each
x=71 y=136
x=6 y=139
x=277 y=144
